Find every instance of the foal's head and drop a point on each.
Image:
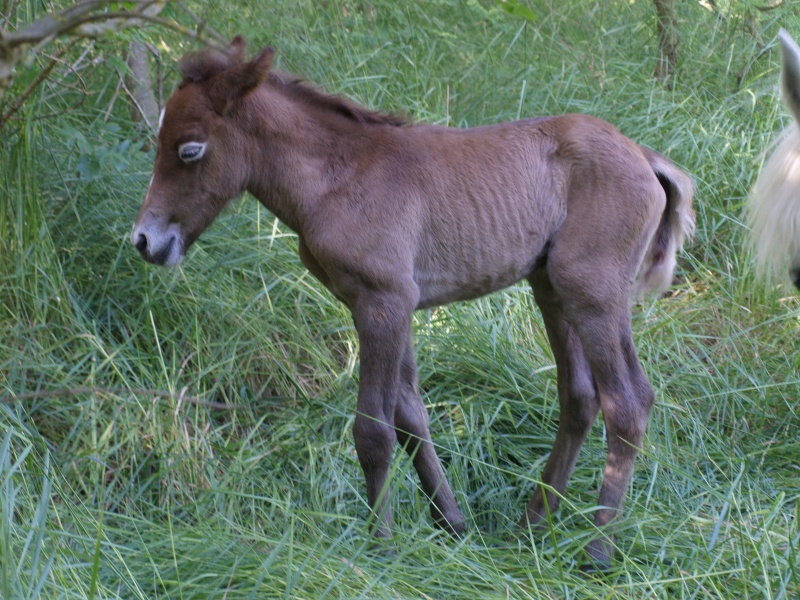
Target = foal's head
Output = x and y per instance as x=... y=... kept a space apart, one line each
x=199 y=165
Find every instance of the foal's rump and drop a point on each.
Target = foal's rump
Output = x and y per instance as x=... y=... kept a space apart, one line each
x=628 y=208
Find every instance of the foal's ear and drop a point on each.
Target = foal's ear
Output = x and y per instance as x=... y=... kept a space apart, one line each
x=238 y=45
x=236 y=82
x=790 y=73
x=256 y=71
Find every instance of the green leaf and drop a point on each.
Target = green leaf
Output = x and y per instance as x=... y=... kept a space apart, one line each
x=518 y=9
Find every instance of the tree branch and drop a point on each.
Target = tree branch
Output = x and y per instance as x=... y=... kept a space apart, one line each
x=770 y=6
x=74 y=20
x=138 y=85
x=17 y=102
x=88 y=19
x=667 y=24
x=49 y=27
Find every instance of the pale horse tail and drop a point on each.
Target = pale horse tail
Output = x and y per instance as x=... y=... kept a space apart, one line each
x=676 y=226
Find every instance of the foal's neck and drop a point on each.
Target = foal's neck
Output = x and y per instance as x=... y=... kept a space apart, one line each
x=300 y=154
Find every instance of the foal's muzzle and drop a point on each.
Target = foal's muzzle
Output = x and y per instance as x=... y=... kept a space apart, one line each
x=159 y=257
x=158 y=244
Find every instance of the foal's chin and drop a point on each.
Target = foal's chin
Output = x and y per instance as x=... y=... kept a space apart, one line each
x=172 y=259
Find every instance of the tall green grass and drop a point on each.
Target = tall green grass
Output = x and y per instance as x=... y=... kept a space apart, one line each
x=186 y=433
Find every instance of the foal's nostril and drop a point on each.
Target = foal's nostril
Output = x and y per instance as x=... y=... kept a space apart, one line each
x=141 y=244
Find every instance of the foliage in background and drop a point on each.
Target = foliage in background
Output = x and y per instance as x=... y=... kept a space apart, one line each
x=187 y=433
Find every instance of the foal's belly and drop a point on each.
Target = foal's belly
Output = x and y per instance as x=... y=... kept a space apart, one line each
x=438 y=287
x=463 y=260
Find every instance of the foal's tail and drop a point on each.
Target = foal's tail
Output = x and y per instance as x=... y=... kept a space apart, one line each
x=677 y=224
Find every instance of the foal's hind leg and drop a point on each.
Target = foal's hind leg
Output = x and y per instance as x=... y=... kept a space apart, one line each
x=577 y=396
x=595 y=302
x=413 y=433
x=625 y=399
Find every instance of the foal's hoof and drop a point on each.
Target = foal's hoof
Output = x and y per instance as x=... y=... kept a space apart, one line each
x=382 y=547
x=595 y=567
x=456 y=527
x=527 y=527
x=598 y=557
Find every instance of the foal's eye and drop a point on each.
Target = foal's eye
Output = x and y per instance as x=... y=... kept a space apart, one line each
x=191 y=151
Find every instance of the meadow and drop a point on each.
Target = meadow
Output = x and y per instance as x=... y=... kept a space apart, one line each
x=187 y=433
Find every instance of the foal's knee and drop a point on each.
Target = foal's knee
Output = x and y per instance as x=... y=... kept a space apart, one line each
x=374 y=441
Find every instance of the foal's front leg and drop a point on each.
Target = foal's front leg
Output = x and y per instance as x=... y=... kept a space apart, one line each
x=383 y=322
x=413 y=433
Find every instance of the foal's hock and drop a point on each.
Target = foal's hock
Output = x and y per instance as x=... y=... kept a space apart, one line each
x=393 y=216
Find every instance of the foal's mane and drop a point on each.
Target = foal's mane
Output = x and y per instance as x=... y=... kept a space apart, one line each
x=313 y=97
x=200 y=66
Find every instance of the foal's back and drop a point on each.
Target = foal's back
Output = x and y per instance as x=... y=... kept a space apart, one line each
x=487 y=204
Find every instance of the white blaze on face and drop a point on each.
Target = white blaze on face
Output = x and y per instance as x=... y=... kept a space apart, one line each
x=149 y=185
x=161 y=118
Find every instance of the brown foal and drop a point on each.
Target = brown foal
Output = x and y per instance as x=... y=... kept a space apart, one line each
x=392 y=217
